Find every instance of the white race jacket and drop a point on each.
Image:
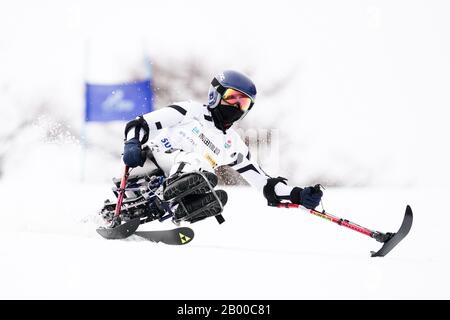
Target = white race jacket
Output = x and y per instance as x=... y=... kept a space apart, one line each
x=189 y=126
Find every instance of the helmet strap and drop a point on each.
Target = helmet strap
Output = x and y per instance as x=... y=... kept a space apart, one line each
x=220 y=88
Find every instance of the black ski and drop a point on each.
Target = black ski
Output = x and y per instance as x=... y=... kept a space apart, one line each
x=120 y=232
x=395 y=238
x=178 y=236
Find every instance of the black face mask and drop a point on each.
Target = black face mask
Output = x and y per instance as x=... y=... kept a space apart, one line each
x=224 y=116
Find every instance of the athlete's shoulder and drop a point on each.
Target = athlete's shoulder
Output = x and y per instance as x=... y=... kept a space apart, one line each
x=189 y=108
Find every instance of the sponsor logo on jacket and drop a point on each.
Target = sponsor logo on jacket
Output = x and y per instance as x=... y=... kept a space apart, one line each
x=166 y=143
x=206 y=140
x=208 y=143
x=210 y=159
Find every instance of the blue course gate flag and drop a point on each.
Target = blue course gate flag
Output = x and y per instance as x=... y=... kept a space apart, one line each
x=118 y=102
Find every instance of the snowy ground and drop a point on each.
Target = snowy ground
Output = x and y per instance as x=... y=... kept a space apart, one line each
x=49 y=250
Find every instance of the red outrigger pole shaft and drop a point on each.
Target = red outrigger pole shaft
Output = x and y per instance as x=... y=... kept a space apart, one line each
x=339 y=221
x=123 y=183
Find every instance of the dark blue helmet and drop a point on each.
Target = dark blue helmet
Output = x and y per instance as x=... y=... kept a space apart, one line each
x=224 y=116
x=230 y=79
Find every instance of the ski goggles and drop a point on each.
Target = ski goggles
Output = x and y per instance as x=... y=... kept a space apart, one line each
x=237 y=98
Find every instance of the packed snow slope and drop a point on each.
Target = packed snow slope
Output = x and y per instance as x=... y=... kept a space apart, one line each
x=50 y=250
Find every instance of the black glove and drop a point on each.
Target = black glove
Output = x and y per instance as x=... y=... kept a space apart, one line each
x=308 y=197
x=136 y=126
x=132 y=153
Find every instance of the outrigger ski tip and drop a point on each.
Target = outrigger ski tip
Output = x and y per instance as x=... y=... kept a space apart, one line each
x=389 y=240
x=395 y=238
x=120 y=232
